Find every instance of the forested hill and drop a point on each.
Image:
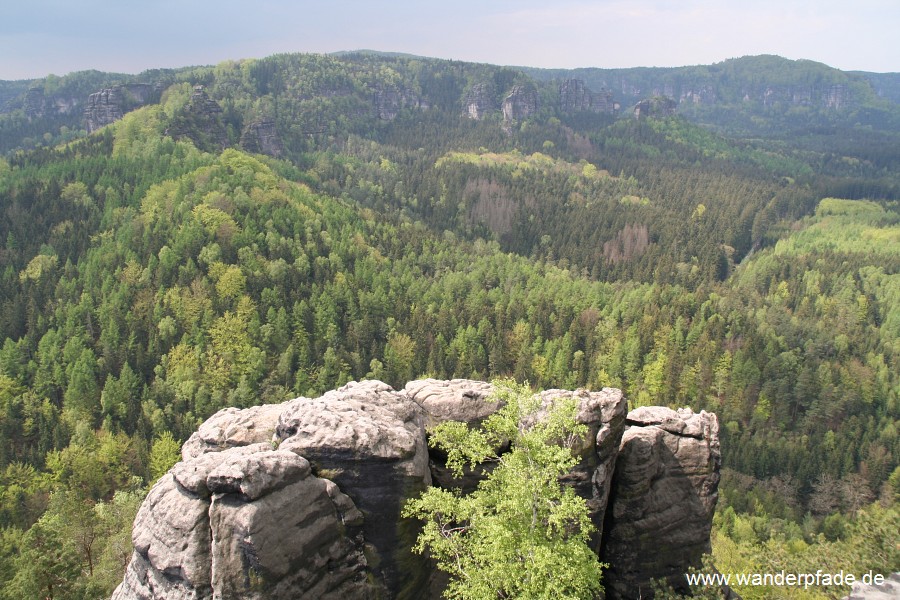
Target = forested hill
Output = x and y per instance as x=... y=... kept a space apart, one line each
x=301 y=221
x=754 y=94
x=745 y=96
x=549 y=169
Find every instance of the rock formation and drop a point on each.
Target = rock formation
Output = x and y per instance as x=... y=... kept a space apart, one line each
x=34 y=103
x=390 y=100
x=303 y=499
x=480 y=101
x=520 y=103
x=200 y=121
x=575 y=96
x=664 y=492
x=261 y=137
x=887 y=590
x=658 y=106
x=369 y=440
x=110 y=104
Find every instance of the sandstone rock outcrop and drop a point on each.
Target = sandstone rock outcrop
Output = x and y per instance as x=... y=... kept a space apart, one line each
x=520 y=103
x=464 y=400
x=575 y=96
x=369 y=440
x=664 y=492
x=200 y=121
x=658 y=106
x=303 y=499
x=262 y=137
x=603 y=413
x=480 y=101
x=245 y=522
x=110 y=104
x=390 y=100
x=887 y=590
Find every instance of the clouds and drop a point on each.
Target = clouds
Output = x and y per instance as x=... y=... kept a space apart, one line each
x=59 y=36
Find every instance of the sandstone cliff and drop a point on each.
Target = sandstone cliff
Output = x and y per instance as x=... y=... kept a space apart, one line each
x=575 y=96
x=520 y=103
x=303 y=499
x=664 y=492
x=262 y=137
x=658 y=106
x=480 y=101
x=200 y=121
x=110 y=104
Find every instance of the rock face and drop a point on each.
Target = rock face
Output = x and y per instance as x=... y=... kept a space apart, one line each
x=261 y=137
x=201 y=121
x=520 y=103
x=887 y=590
x=110 y=104
x=389 y=101
x=369 y=440
x=603 y=413
x=480 y=101
x=245 y=522
x=575 y=96
x=664 y=492
x=303 y=499
x=658 y=106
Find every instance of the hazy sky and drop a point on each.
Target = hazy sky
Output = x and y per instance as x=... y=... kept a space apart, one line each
x=38 y=37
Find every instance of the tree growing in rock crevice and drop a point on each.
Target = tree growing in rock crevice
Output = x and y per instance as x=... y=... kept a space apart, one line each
x=521 y=534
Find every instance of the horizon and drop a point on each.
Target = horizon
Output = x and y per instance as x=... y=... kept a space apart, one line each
x=438 y=58
x=47 y=37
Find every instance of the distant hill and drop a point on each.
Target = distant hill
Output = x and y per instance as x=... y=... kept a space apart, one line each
x=753 y=93
x=744 y=96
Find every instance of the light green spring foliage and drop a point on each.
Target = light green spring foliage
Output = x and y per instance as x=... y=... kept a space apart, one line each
x=164 y=453
x=520 y=534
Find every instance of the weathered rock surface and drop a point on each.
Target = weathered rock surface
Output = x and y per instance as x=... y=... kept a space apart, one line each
x=603 y=413
x=575 y=96
x=246 y=522
x=103 y=107
x=888 y=590
x=480 y=101
x=462 y=400
x=231 y=427
x=110 y=104
x=658 y=106
x=664 y=492
x=369 y=440
x=390 y=100
x=261 y=137
x=303 y=499
x=200 y=121
x=520 y=103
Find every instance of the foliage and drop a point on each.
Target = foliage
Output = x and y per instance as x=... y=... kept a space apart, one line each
x=145 y=284
x=521 y=534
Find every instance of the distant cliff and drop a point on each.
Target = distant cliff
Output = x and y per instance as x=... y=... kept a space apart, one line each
x=303 y=499
x=283 y=103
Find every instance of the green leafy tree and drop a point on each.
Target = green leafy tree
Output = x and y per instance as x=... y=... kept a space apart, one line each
x=164 y=453
x=521 y=534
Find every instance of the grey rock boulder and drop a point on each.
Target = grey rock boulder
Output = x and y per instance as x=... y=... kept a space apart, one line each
x=246 y=522
x=520 y=103
x=370 y=440
x=664 y=492
x=889 y=589
x=231 y=427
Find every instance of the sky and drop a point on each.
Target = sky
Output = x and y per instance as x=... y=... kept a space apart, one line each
x=39 y=37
